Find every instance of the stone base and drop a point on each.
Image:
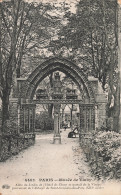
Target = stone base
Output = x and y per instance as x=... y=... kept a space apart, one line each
x=57 y=139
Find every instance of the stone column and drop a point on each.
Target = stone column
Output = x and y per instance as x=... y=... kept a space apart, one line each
x=34 y=119
x=81 y=108
x=96 y=117
x=63 y=116
x=79 y=118
x=90 y=117
x=29 y=119
x=93 y=117
x=57 y=136
x=85 y=119
x=19 y=118
x=24 y=118
x=13 y=113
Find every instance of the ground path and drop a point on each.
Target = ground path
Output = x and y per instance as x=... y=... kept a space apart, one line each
x=47 y=160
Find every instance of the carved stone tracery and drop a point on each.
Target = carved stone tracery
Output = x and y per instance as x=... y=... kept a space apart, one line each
x=72 y=70
x=27 y=88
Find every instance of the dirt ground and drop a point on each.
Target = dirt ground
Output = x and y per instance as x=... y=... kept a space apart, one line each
x=45 y=160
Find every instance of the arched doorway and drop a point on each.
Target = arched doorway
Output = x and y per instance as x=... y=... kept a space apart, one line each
x=27 y=88
x=29 y=85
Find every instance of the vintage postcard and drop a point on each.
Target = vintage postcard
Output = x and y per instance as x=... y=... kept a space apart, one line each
x=60 y=117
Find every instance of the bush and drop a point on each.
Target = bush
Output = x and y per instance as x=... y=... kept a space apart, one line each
x=107 y=146
x=10 y=127
x=44 y=122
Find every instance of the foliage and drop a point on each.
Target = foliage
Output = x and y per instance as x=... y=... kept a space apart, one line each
x=10 y=128
x=90 y=38
x=23 y=28
x=44 y=122
x=90 y=34
x=31 y=32
x=108 y=147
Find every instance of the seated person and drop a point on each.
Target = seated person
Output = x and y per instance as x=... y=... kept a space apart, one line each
x=73 y=133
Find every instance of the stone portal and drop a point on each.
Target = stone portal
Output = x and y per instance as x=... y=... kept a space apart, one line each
x=92 y=113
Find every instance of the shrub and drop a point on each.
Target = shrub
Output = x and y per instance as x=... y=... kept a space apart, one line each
x=10 y=127
x=44 y=122
x=108 y=147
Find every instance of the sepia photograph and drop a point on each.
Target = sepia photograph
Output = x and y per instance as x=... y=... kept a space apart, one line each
x=60 y=100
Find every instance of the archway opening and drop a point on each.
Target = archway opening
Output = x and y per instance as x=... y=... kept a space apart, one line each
x=66 y=84
x=55 y=64
x=69 y=112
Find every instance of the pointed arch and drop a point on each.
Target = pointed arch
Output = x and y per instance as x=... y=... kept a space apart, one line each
x=51 y=65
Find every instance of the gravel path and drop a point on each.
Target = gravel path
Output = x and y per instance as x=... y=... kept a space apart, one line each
x=46 y=160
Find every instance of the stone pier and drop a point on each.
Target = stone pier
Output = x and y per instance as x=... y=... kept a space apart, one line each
x=57 y=136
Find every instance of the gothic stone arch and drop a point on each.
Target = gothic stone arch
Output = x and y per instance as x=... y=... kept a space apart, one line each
x=90 y=110
x=29 y=86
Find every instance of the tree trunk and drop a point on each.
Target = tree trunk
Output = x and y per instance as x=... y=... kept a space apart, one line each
x=18 y=73
x=1 y=75
x=10 y=67
x=50 y=109
x=5 y=108
x=116 y=123
x=50 y=106
x=0 y=50
x=116 y=109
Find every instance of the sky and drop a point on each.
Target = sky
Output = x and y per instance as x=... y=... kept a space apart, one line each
x=68 y=3
x=59 y=1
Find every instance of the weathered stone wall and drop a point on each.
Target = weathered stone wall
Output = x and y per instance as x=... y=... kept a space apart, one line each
x=101 y=115
x=13 y=114
x=101 y=101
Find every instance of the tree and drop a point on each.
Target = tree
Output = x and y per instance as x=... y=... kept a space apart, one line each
x=23 y=28
x=91 y=39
